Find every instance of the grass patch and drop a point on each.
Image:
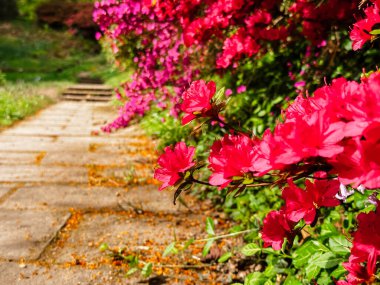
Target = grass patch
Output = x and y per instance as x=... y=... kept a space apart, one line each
x=30 y=53
x=18 y=101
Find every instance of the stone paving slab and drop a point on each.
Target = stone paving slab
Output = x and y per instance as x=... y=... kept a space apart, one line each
x=13 y=273
x=10 y=139
x=148 y=198
x=17 y=158
x=51 y=174
x=48 y=131
x=123 y=229
x=120 y=148
x=82 y=159
x=127 y=173
x=47 y=164
x=25 y=234
x=39 y=146
x=100 y=140
x=63 y=197
x=5 y=188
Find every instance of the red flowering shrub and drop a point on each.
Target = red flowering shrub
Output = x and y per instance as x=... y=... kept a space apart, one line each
x=318 y=138
x=173 y=43
x=321 y=150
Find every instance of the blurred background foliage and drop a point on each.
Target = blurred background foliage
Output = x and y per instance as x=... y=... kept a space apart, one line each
x=44 y=46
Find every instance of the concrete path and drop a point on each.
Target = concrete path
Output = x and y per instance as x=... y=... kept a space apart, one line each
x=65 y=189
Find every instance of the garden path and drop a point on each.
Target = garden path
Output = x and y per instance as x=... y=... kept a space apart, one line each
x=65 y=189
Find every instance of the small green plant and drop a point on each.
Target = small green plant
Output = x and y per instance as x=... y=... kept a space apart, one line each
x=134 y=263
x=18 y=102
x=3 y=79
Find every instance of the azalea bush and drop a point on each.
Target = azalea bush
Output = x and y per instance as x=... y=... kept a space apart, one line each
x=171 y=43
x=321 y=152
x=299 y=170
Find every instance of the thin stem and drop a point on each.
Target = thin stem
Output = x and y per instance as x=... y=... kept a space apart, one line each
x=224 y=236
x=183 y=266
x=200 y=182
x=239 y=129
x=260 y=184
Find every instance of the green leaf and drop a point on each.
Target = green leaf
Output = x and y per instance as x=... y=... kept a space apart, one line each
x=207 y=247
x=131 y=271
x=103 y=247
x=183 y=187
x=147 y=270
x=250 y=249
x=340 y=245
x=256 y=278
x=338 y=272
x=210 y=226
x=220 y=95
x=328 y=230
x=188 y=243
x=327 y=260
x=302 y=254
x=169 y=249
x=312 y=271
x=291 y=280
x=225 y=257
x=375 y=32
x=324 y=279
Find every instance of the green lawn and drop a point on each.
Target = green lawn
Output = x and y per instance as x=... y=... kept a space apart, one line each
x=20 y=100
x=35 y=54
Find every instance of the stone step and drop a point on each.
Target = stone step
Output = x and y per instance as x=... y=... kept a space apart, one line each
x=88 y=92
x=86 y=98
x=90 y=87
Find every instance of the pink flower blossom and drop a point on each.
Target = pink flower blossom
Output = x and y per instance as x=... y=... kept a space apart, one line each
x=173 y=163
x=359 y=164
x=197 y=100
x=231 y=157
x=276 y=227
x=303 y=204
x=360 y=33
x=299 y=84
x=228 y=92
x=241 y=89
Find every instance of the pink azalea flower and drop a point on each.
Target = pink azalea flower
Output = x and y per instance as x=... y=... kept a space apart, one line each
x=303 y=204
x=367 y=237
x=228 y=92
x=359 y=274
x=360 y=33
x=276 y=227
x=366 y=248
x=197 y=100
x=359 y=164
x=315 y=135
x=299 y=84
x=173 y=164
x=232 y=156
x=241 y=89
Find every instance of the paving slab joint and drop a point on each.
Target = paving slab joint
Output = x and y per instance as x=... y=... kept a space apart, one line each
x=11 y=192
